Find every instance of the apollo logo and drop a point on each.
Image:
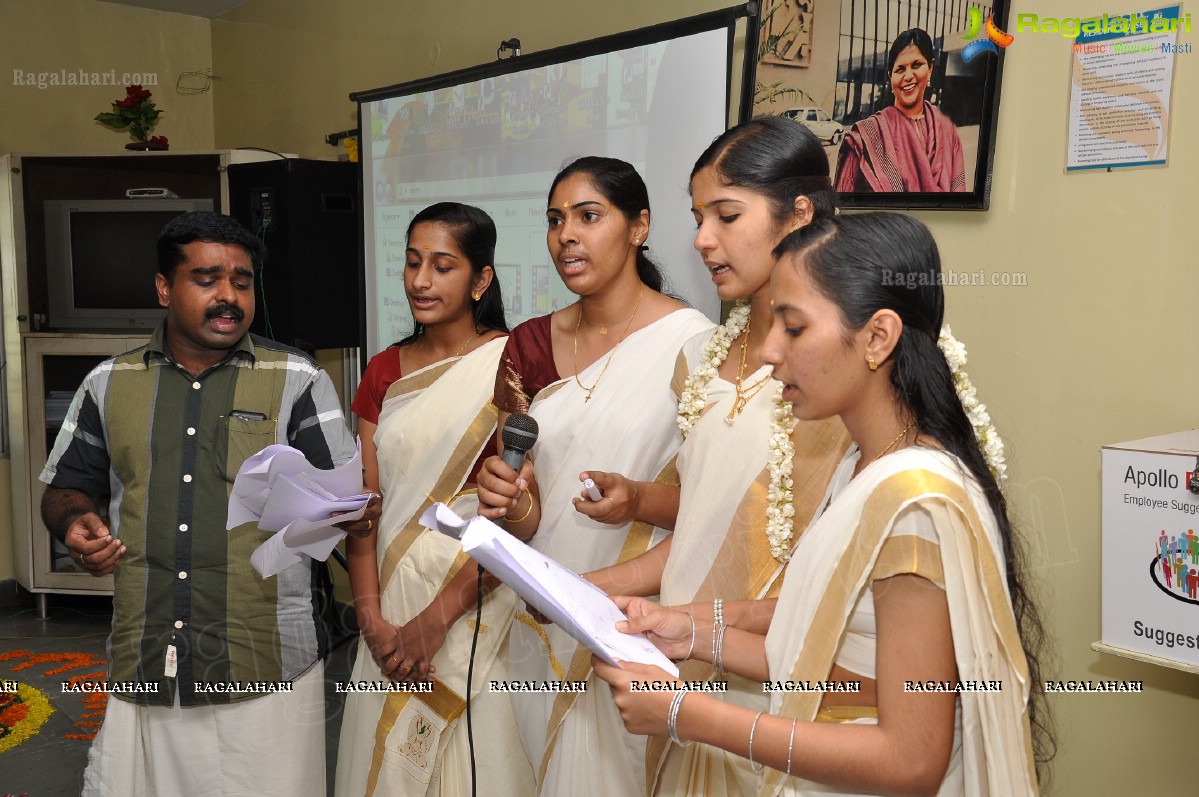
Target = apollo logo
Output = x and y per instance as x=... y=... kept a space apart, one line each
x=1175 y=566
x=996 y=37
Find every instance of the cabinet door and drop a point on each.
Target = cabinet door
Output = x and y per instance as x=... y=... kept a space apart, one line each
x=55 y=366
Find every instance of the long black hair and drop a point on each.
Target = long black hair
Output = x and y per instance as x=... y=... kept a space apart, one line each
x=620 y=184
x=776 y=157
x=873 y=261
x=474 y=232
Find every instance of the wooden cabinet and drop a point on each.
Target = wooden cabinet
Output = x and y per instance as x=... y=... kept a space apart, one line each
x=55 y=366
x=43 y=365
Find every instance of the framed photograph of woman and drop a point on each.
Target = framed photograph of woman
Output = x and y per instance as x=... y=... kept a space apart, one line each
x=905 y=105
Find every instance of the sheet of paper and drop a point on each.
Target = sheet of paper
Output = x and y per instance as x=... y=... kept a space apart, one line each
x=578 y=606
x=316 y=538
x=280 y=491
x=1121 y=81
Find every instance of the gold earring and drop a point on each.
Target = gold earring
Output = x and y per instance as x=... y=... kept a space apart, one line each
x=870 y=361
x=477 y=296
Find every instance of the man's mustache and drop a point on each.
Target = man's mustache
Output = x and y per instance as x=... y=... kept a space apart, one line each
x=224 y=308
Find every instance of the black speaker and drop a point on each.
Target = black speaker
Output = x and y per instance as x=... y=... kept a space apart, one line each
x=308 y=292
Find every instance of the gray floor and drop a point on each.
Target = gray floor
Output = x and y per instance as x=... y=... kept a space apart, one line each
x=50 y=765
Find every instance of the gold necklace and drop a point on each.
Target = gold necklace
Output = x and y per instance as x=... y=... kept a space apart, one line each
x=579 y=323
x=890 y=445
x=744 y=397
x=464 y=345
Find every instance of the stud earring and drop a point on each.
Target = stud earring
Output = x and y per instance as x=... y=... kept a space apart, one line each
x=870 y=361
x=477 y=296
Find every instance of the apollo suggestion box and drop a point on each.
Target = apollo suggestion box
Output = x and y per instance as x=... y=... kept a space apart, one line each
x=1151 y=549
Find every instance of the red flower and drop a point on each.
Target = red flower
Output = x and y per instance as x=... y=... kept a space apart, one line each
x=160 y=140
x=128 y=102
x=137 y=93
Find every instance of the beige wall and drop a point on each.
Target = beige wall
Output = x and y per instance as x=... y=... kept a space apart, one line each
x=52 y=35
x=288 y=66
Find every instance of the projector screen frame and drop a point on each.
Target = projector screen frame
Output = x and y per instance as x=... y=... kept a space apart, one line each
x=701 y=23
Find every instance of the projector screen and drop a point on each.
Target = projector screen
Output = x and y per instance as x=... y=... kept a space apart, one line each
x=495 y=136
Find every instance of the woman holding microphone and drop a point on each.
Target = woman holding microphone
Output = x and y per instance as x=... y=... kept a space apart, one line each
x=596 y=376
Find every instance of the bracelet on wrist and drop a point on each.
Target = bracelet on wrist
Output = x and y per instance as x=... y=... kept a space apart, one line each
x=718 y=659
x=752 y=728
x=672 y=719
x=717 y=624
x=528 y=511
x=791 y=746
x=691 y=647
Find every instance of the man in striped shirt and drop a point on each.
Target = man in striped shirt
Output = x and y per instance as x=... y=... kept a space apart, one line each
x=162 y=431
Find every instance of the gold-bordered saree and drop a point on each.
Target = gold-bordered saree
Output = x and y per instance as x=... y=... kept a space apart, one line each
x=433 y=425
x=577 y=741
x=719 y=547
x=831 y=568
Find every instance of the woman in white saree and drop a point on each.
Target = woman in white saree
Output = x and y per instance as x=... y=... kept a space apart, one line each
x=596 y=376
x=907 y=590
x=737 y=522
x=427 y=420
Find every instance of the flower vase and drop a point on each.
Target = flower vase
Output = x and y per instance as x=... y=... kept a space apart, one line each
x=146 y=146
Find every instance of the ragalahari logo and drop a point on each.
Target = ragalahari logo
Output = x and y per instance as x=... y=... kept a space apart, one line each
x=996 y=37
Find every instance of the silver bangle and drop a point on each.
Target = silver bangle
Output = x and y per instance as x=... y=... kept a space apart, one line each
x=717 y=624
x=691 y=647
x=790 y=747
x=718 y=658
x=672 y=719
x=715 y=631
x=753 y=728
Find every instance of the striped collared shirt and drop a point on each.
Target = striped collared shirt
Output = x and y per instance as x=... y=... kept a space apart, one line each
x=165 y=446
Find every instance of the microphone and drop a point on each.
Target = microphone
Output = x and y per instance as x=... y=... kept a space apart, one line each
x=518 y=436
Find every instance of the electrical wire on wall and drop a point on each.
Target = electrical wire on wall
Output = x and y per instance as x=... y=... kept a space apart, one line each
x=260 y=234
x=195 y=82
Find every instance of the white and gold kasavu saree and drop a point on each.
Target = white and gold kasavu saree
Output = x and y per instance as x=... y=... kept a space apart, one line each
x=720 y=548
x=577 y=742
x=433 y=425
x=833 y=563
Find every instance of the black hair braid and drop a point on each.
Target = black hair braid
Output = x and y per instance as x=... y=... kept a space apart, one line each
x=925 y=385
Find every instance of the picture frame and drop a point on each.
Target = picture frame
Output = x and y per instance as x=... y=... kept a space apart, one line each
x=825 y=63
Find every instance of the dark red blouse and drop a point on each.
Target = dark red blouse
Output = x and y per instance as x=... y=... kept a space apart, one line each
x=381 y=372
x=526 y=366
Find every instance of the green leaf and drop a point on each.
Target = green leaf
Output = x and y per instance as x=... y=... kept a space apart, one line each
x=112 y=120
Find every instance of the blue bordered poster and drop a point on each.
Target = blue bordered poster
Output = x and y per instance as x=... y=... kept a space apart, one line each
x=1120 y=88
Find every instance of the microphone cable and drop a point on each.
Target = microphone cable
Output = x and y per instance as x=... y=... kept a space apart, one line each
x=470 y=673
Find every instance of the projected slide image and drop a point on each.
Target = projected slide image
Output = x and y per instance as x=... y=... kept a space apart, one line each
x=541 y=289
x=509 y=276
x=496 y=141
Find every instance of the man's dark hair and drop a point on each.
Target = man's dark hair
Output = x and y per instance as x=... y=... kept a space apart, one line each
x=206 y=226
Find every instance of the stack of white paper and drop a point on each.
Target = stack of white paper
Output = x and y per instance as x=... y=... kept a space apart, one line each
x=578 y=606
x=280 y=491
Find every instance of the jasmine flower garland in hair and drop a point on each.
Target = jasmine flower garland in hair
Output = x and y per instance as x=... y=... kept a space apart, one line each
x=984 y=431
x=780 y=512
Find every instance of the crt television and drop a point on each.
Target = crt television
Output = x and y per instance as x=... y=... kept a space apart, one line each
x=101 y=260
